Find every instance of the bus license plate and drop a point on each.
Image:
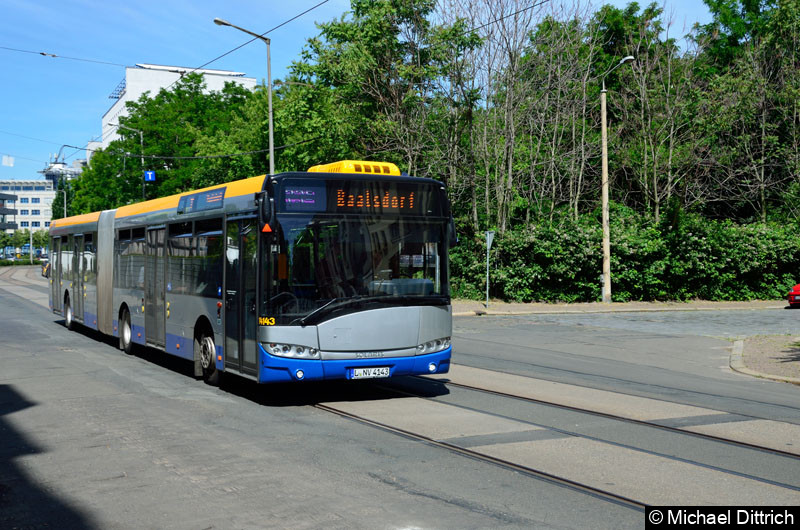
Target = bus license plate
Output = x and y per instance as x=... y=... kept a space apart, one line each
x=369 y=373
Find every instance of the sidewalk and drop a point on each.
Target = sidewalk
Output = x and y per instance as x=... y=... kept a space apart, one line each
x=472 y=307
x=775 y=357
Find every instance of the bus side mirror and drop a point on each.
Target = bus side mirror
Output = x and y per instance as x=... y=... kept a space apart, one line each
x=265 y=207
x=452 y=236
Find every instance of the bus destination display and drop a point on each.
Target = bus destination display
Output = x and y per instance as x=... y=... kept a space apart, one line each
x=304 y=198
x=359 y=197
x=200 y=202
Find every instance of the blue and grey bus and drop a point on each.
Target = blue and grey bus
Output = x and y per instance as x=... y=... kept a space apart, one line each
x=340 y=272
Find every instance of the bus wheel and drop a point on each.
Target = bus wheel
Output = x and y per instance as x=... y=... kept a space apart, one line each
x=125 y=333
x=207 y=362
x=69 y=321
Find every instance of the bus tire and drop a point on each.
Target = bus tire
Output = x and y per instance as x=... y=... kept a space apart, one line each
x=204 y=342
x=125 y=332
x=69 y=317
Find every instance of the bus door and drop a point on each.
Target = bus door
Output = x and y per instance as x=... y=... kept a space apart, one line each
x=241 y=272
x=55 y=273
x=154 y=310
x=78 y=287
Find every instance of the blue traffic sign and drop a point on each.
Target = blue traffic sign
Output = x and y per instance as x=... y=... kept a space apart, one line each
x=149 y=176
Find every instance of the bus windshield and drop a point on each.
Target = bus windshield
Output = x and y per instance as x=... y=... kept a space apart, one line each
x=319 y=267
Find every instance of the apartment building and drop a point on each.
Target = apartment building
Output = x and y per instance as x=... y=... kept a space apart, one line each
x=30 y=207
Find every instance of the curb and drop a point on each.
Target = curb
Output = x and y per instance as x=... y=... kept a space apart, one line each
x=737 y=365
x=487 y=312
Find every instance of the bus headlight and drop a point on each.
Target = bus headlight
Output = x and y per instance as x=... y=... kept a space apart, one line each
x=295 y=351
x=433 y=346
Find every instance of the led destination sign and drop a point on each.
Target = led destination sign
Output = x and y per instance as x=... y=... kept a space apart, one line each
x=309 y=198
x=360 y=197
x=199 y=202
x=387 y=202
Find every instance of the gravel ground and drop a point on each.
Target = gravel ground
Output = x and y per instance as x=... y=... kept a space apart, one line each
x=777 y=355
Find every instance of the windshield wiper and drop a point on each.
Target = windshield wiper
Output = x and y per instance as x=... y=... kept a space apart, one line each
x=344 y=301
x=336 y=303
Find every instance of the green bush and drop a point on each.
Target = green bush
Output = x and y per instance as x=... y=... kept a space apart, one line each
x=685 y=258
x=9 y=263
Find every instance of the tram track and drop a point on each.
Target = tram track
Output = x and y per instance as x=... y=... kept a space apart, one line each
x=506 y=464
x=613 y=381
x=613 y=417
x=375 y=414
x=606 y=415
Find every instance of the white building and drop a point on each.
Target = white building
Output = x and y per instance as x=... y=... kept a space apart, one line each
x=151 y=77
x=59 y=170
x=32 y=207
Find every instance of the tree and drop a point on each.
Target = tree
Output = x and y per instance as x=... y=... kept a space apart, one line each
x=179 y=126
x=734 y=24
x=379 y=66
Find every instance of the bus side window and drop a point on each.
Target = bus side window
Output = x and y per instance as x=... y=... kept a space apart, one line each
x=180 y=265
x=208 y=237
x=137 y=258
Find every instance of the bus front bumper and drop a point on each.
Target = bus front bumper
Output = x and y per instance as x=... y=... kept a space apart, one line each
x=276 y=369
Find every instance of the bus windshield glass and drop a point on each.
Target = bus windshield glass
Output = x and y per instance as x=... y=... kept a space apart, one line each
x=321 y=266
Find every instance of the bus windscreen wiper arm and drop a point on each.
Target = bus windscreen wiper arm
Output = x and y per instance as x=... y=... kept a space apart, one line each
x=335 y=303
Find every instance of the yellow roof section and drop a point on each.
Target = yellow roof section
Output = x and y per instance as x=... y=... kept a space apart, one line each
x=233 y=189
x=357 y=166
x=76 y=220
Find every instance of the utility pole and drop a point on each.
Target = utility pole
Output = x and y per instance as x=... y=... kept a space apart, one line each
x=604 y=193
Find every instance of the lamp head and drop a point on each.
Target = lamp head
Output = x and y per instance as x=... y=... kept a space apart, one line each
x=627 y=59
x=220 y=22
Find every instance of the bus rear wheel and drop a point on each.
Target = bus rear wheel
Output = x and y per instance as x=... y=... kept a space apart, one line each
x=208 y=351
x=125 y=333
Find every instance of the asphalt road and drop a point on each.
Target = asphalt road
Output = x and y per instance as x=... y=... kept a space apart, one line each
x=681 y=357
x=93 y=438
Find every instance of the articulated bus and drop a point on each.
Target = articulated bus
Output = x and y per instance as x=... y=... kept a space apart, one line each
x=340 y=272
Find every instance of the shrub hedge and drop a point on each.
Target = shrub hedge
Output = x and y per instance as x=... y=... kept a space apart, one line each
x=684 y=257
x=9 y=262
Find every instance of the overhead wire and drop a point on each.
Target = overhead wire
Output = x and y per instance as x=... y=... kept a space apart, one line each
x=29 y=137
x=17 y=156
x=215 y=59
x=508 y=16
x=198 y=157
x=55 y=56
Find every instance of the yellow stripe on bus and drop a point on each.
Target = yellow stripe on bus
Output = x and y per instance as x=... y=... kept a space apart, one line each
x=76 y=220
x=233 y=189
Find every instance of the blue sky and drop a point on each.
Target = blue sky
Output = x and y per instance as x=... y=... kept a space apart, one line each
x=46 y=102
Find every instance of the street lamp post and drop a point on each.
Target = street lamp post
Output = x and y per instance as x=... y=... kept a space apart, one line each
x=604 y=194
x=141 y=147
x=220 y=22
